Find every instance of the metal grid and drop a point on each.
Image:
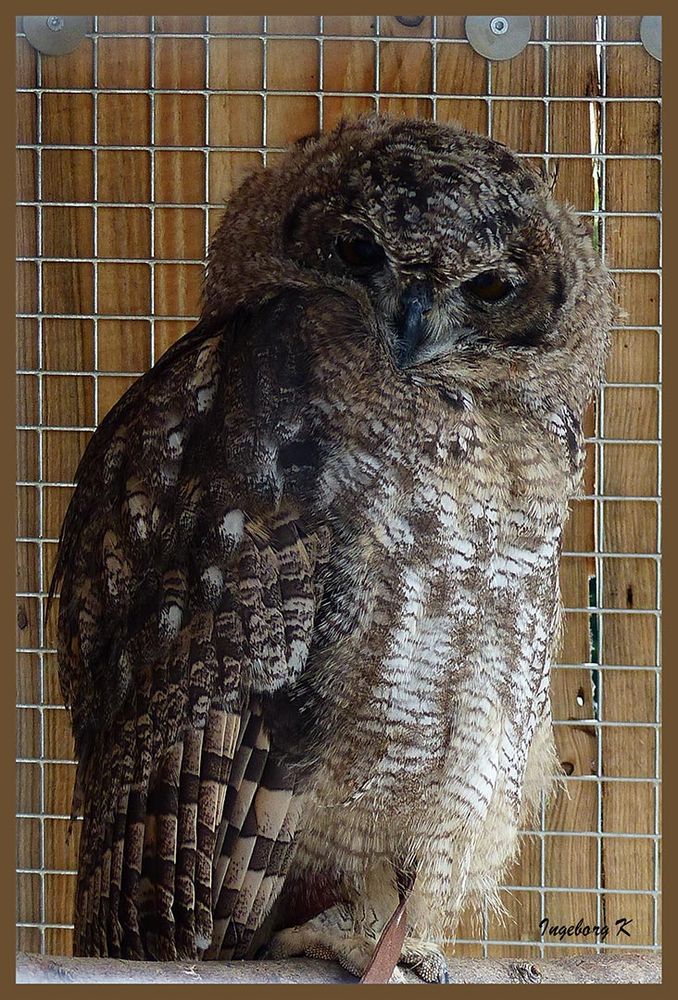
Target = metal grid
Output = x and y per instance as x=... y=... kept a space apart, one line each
x=38 y=922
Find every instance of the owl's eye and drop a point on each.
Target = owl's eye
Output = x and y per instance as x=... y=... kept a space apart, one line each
x=360 y=252
x=488 y=287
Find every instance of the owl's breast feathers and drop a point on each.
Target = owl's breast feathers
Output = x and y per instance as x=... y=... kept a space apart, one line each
x=443 y=625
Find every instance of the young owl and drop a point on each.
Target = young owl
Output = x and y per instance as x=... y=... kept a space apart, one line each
x=309 y=575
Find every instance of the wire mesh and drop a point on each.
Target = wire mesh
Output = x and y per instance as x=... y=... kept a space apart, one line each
x=143 y=133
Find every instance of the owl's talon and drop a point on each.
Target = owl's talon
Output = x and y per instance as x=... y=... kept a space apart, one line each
x=329 y=936
x=426 y=960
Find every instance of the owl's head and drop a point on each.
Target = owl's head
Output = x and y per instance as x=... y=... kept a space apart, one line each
x=452 y=248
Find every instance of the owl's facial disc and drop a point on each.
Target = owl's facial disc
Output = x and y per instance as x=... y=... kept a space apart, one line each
x=436 y=280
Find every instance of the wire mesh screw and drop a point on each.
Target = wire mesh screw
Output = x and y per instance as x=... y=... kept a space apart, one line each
x=55 y=23
x=499 y=25
x=410 y=21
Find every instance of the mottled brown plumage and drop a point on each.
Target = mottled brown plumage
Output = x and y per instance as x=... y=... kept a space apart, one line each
x=309 y=575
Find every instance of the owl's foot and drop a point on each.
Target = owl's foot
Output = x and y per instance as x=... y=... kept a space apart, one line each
x=335 y=936
x=425 y=959
x=331 y=936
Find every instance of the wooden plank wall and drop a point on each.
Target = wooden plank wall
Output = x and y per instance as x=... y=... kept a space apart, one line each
x=127 y=148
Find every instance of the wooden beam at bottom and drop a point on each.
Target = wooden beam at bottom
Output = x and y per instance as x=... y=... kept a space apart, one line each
x=605 y=968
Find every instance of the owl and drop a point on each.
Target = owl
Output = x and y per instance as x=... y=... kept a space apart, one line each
x=309 y=574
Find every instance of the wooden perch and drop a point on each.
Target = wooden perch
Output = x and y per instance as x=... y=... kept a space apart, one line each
x=605 y=968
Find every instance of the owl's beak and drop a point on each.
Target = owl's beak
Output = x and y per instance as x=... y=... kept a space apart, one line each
x=415 y=302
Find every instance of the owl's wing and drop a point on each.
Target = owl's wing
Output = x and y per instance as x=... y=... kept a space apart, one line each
x=188 y=591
